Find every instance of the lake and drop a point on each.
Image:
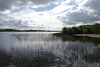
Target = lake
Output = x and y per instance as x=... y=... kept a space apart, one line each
x=46 y=49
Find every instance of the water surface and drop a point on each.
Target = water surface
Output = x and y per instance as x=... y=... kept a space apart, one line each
x=43 y=49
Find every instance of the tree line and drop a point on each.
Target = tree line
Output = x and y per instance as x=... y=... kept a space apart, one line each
x=83 y=29
x=9 y=30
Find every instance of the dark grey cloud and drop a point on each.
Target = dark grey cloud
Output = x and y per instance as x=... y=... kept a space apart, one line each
x=76 y=17
x=8 y=4
x=84 y=15
x=93 y=4
x=42 y=2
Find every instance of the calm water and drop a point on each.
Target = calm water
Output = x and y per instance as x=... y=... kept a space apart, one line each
x=37 y=49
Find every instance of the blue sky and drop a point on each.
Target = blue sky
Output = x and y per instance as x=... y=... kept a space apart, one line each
x=47 y=14
x=45 y=8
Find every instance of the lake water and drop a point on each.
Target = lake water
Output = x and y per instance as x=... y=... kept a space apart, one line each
x=43 y=49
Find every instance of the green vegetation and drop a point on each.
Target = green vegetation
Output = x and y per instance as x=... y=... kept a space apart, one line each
x=83 y=29
x=64 y=37
x=9 y=30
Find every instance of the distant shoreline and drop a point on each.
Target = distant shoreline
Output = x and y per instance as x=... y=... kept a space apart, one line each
x=29 y=31
x=14 y=30
x=88 y=35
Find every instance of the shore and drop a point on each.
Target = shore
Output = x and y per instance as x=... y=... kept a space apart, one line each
x=88 y=35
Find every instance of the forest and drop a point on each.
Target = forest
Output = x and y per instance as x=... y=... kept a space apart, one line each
x=83 y=29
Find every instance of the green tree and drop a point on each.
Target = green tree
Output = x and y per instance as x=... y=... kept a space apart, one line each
x=70 y=31
x=64 y=30
x=85 y=31
x=75 y=30
x=90 y=29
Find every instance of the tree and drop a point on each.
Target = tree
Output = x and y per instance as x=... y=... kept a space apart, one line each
x=90 y=29
x=64 y=30
x=75 y=30
x=70 y=31
x=85 y=31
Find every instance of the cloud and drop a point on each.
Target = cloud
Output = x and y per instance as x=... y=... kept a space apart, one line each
x=94 y=5
x=39 y=14
x=87 y=13
x=29 y=19
x=81 y=16
x=9 y=22
x=6 y=4
x=61 y=8
x=11 y=4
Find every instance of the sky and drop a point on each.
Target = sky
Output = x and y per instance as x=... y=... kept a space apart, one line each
x=48 y=14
